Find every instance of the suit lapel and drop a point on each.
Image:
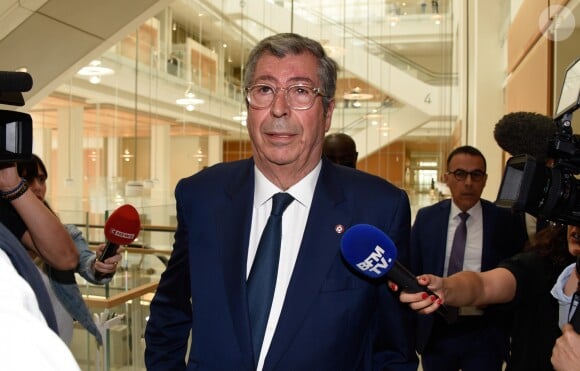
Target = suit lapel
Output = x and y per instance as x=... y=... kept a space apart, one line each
x=441 y=224
x=439 y=228
x=233 y=233
x=319 y=249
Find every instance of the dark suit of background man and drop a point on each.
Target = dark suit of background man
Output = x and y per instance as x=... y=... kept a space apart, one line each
x=477 y=339
x=323 y=316
x=340 y=148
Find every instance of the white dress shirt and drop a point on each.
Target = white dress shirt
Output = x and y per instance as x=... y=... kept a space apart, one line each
x=474 y=241
x=293 y=224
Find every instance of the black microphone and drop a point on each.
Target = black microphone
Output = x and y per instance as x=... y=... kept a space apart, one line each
x=525 y=133
x=15 y=81
x=372 y=253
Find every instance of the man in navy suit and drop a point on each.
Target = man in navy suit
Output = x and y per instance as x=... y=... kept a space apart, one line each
x=323 y=316
x=477 y=338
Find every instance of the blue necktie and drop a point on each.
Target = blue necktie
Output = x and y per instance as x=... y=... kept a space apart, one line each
x=456 y=259
x=458 y=246
x=262 y=279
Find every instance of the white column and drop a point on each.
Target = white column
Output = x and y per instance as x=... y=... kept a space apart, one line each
x=183 y=162
x=160 y=158
x=486 y=73
x=215 y=153
x=41 y=142
x=161 y=204
x=69 y=184
x=112 y=155
x=42 y=147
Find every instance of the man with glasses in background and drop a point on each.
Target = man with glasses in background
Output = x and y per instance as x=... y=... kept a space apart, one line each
x=302 y=308
x=464 y=233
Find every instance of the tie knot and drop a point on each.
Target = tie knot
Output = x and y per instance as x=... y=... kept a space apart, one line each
x=463 y=216
x=280 y=202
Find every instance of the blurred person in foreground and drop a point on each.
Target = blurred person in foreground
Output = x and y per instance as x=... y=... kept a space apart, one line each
x=523 y=283
x=566 y=290
x=566 y=352
x=64 y=292
x=340 y=148
x=323 y=316
x=28 y=343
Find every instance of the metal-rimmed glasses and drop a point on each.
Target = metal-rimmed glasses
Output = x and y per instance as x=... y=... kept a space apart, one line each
x=298 y=97
x=460 y=175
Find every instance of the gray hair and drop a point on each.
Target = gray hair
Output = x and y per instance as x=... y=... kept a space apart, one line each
x=283 y=44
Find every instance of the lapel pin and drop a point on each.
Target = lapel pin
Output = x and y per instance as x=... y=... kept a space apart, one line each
x=339 y=228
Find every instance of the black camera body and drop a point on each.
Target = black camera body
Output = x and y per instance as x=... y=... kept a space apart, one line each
x=549 y=189
x=15 y=127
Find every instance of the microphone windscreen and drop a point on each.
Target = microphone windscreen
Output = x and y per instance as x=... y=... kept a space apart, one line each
x=15 y=81
x=368 y=250
x=123 y=225
x=525 y=133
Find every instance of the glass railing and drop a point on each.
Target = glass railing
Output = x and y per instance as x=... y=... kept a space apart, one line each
x=167 y=81
x=157 y=224
x=121 y=307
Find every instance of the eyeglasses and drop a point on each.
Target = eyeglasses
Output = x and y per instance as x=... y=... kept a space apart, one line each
x=460 y=175
x=298 y=97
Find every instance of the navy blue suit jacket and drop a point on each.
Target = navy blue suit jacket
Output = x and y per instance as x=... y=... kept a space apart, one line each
x=504 y=234
x=332 y=319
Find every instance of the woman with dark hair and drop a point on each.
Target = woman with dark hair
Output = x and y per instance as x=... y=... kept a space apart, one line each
x=523 y=283
x=38 y=229
x=65 y=295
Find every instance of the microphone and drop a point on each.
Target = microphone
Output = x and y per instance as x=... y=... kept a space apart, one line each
x=15 y=81
x=525 y=133
x=372 y=253
x=121 y=228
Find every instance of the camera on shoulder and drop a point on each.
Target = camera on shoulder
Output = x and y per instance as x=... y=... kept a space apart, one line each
x=549 y=189
x=15 y=127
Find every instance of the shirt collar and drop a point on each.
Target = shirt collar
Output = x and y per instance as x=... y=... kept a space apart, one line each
x=558 y=289
x=475 y=209
x=303 y=191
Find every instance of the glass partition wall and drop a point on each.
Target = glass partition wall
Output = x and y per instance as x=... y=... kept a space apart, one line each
x=165 y=100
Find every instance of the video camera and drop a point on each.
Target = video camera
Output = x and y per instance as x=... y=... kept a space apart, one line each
x=549 y=189
x=15 y=127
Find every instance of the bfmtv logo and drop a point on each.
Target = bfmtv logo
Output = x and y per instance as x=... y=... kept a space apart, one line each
x=376 y=262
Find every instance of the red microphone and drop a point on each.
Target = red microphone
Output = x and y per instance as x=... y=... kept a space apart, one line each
x=121 y=228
